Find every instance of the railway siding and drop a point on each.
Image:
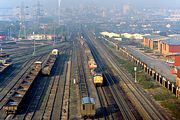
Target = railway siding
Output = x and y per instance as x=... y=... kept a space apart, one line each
x=11 y=87
x=56 y=114
x=51 y=98
x=66 y=97
x=50 y=107
x=74 y=111
x=34 y=103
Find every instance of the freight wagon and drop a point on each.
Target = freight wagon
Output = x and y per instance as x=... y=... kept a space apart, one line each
x=91 y=62
x=46 y=70
x=97 y=77
x=88 y=107
x=15 y=100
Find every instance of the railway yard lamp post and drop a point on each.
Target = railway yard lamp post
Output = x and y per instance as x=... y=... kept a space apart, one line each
x=135 y=74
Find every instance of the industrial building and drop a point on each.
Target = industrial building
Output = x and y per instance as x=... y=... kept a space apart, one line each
x=161 y=44
x=2 y=37
x=176 y=59
x=153 y=41
x=169 y=46
x=110 y=34
x=175 y=36
x=178 y=77
x=41 y=37
x=132 y=36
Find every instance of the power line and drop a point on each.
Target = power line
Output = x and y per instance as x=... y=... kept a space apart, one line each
x=59 y=12
x=22 y=18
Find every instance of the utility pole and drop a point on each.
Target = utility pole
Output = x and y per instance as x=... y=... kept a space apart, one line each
x=34 y=45
x=38 y=14
x=10 y=31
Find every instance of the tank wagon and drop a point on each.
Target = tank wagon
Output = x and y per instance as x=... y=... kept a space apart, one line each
x=46 y=70
x=97 y=77
x=16 y=99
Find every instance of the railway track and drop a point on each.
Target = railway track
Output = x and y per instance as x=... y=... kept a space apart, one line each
x=28 y=55
x=120 y=101
x=84 y=92
x=145 y=105
x=10 y=88
x=123 y=107
x=66 y=96
x=17 y=71
x=6 y=81
x=6 y=89
x=35 y=100
x=49 y=110
x=22 y=56
x=6 y=78
x=105 y=113
x=139 y=94
x=74 y=111
x=51 y=99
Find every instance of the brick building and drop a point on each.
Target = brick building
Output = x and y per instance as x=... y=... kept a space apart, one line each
x=178 y=77
x=169 y=46
x=152 y=41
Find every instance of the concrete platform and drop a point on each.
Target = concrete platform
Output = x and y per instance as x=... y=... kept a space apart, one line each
x=159 y=66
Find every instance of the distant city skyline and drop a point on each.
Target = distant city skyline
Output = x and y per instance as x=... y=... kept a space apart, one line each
x=110 y=3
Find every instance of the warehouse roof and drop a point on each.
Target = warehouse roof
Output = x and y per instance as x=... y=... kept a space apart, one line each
x=110 y=34
x=155 y=37
x=178 y=67
x=171 y=41
x=173 y=54
x=88 y=100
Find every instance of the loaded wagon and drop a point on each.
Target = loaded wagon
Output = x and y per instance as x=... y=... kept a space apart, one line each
x=15 y=100
x=46 y=70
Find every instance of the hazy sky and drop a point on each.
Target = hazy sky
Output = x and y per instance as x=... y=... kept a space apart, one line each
x=108 y=3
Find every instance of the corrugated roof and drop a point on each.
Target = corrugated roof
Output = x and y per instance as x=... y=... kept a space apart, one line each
x=174 y=54
x=154 y=37
x=88 y=100
x=171 y=41
x=178 y=67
